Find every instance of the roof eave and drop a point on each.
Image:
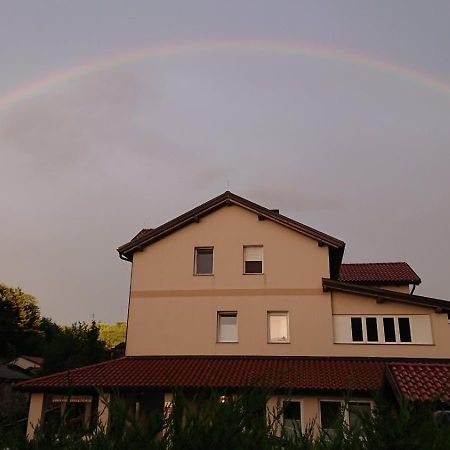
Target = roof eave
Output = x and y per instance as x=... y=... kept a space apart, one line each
x=226 y=199
x=438 y=304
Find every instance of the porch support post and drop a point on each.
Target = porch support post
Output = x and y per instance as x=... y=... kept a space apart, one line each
x=35 y=412
x=168 y=404
x=168 y=407
x=103 y=411
x=273 y=414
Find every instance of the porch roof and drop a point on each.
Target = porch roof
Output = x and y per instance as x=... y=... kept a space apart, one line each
x=420 y=381
x=298 y=373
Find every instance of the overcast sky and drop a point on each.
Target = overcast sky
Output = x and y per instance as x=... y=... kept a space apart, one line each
x=361 y=154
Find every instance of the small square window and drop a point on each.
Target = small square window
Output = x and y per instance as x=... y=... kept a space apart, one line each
x=253 y=259
x=278 y=327
x=203 y=264
x=227 y=328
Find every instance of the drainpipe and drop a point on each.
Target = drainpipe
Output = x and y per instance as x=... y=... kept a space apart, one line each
x=413 y=289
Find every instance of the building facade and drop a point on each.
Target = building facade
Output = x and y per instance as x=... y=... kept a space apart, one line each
x=232 y=294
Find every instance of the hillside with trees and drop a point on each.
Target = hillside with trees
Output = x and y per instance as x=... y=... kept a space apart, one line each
x=24 y=331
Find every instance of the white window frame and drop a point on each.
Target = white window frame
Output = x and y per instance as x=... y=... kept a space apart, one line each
x=380 y=328
x=225 y=313
x=278 y=313
x=342 y=404
x=203 y=247
x=244 y=260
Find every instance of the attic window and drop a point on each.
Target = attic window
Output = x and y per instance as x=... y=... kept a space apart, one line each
x=253 y=259
x=203 y=264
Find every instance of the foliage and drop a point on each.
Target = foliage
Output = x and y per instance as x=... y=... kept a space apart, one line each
x=240 y=424
x=74 y=346
x=114 y=334
x=19 y=321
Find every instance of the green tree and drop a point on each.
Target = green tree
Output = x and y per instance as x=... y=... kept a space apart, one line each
x=74 y=346
x=19 y=321
x=113 y=334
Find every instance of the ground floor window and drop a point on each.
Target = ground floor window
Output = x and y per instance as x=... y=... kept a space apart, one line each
x=332 y=412
x=77 y=411
x=292 y=418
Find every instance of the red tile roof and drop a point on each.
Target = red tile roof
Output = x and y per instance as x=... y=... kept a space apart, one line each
x=219 y=372
x=421 y=381
x=379 y=273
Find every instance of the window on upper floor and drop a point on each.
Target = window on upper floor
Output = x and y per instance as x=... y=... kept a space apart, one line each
x=278 y=327
x=203 y=261
x=227 y=326
x=378 y=329
x=253 y=259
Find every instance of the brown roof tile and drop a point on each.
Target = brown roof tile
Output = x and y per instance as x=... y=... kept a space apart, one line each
x=379 y=273
x=219 y=372
x=421 y=381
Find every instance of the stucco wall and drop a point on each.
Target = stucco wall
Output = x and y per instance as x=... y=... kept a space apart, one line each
x=173 y=312
x=343 y=303
x=291 y=260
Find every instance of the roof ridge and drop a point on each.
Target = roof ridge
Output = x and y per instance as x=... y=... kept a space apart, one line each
x=142 y=240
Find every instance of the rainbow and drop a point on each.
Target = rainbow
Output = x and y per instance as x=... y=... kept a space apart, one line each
x=343 y=56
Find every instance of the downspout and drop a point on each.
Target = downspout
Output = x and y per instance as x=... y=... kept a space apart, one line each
x=413 y=289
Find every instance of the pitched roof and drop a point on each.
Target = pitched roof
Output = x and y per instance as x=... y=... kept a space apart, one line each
x=386 y=295
x=379 y=273
x=34 y=359
x=218 y=372
x=420 y=381
x=6 y=373
x=147 y=237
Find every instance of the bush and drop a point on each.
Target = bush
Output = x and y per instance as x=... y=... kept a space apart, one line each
x=240 y=423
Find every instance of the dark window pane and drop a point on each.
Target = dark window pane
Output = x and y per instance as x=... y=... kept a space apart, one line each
x=291 y=410
x=389 y=329
x=329 y=414
x=357 y=411
x=405 y=329
x=357 y=331
x=253 y=266
x=372 y=329
x=291 y=419
x=204 y=261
